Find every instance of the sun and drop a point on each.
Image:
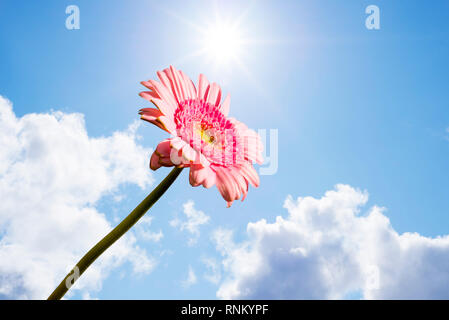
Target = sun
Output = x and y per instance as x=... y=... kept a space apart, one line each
x=222 y=42
x=222 y=38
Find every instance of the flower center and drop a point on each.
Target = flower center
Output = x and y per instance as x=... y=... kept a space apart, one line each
x=207 y=130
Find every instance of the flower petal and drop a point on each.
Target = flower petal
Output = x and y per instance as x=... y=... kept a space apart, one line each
x=177 y=143
x=168 y=124
x=154 y=161
x=166 y=162
x=149 y=95
x=211 y=178
x=176 y=81
x=184 y=155
x=203 y=160
x=253 y=146
x=161 y=156
x=163 y=148
x=156 y=117
x=226 y=185
x=202 y=175
x=150 y=114
x=189 y=85
x=226 y=104
x=189 y=154
x=241 y=182
x=213 y=94
x=167 y=102
x=250 y=174
x=203 y=84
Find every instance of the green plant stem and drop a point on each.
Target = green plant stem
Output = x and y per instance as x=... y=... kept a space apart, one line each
x=114 y=235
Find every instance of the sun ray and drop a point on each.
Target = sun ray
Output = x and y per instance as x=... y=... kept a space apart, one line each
x=191 y=55
x=184 y=21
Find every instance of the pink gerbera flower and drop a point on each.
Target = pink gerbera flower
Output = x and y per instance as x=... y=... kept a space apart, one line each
x=217 y=149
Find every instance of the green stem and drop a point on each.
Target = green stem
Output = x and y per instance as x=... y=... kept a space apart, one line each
x=114 y=235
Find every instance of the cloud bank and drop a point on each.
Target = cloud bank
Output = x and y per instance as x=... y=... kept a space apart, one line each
x=52 y=174
x=326 y=249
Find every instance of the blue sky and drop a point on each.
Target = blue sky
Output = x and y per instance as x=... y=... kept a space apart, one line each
x=364 y=108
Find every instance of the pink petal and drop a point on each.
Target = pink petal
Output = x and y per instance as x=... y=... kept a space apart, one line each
x=253 y=153
x=226 y=185
x=165 y=80
x=213 y=94
x=164 y=107
x=203 y=84
x=152 y=117
x=154 y=161
x=165 y=162
x=176 y=83
x=201 y=175
x=186 y=156
x=177 y=143
x=189 y=154
x=211 y=178
x=253 y=146
x=168 y=123
x=170 y=103
x=149 y=95
x=189 y=85
x=150 y=113
x=241 y=182
x=225 y=106
x=181 y=157
x=163 y=148
x=204 y=161
x=156 y=117
x=250 y=174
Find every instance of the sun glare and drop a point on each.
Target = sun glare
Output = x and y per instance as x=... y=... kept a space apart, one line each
x=225 y=42
x=222 y=43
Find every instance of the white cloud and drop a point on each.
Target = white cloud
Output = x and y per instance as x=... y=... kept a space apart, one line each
x=152 y=236
x=213 y=275
x=325 y=249
x=195 y=218
x=52 y=174
x=143 y=232
x=191 y=278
